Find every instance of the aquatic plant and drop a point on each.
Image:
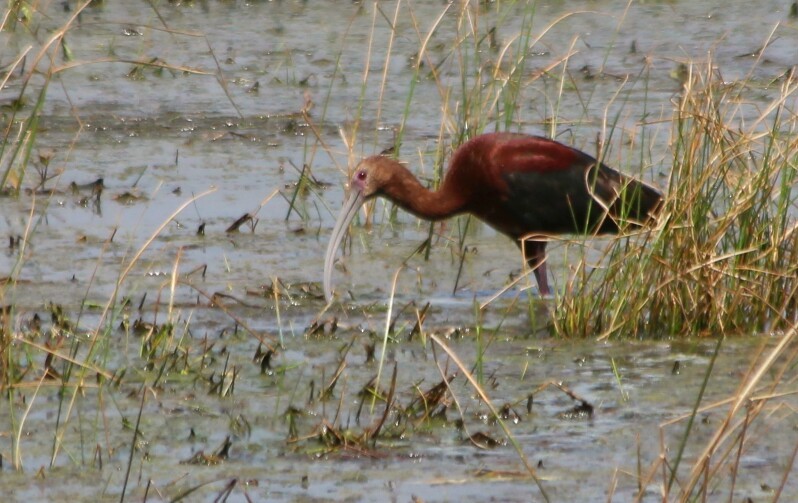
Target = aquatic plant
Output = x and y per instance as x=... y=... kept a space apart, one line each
x=724 y=257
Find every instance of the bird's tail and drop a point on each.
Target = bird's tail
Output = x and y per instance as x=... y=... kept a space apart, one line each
x=638 y=203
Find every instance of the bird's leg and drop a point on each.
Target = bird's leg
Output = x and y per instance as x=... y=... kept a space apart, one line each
x=535 y=255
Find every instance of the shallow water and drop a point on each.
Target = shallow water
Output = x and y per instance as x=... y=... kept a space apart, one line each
x=157 y=137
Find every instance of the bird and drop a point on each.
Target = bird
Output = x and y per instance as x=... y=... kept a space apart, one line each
x=524 y=186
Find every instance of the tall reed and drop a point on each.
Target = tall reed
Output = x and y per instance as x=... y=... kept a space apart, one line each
x=724 y=255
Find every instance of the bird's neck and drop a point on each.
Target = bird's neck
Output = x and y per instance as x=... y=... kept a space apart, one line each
x=407 y=192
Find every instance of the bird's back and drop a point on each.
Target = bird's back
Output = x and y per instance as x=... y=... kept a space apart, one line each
x=523 y=184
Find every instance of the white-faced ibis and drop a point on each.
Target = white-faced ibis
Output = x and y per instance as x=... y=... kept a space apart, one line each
x=521 y=185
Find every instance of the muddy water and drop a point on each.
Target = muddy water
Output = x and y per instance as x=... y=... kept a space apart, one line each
x=157 y=137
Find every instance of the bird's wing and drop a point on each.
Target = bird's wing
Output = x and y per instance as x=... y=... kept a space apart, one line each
x=547 y=187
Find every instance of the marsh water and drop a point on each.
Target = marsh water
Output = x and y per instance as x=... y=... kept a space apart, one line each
x=167 y=103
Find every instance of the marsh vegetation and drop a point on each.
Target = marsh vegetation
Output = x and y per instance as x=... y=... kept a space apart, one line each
x=169 y=174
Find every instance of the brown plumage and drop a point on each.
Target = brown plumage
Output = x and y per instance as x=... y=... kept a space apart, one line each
x=519 y=184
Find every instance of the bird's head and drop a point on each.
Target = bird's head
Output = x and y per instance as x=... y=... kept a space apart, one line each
x=372 y=176
x=369 y=180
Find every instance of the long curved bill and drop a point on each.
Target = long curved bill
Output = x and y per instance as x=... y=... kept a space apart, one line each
x=345 y=217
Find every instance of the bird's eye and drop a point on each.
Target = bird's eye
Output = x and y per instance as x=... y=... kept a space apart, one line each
x=361 y=175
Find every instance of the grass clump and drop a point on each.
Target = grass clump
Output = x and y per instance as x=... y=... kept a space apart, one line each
x=723 y=258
